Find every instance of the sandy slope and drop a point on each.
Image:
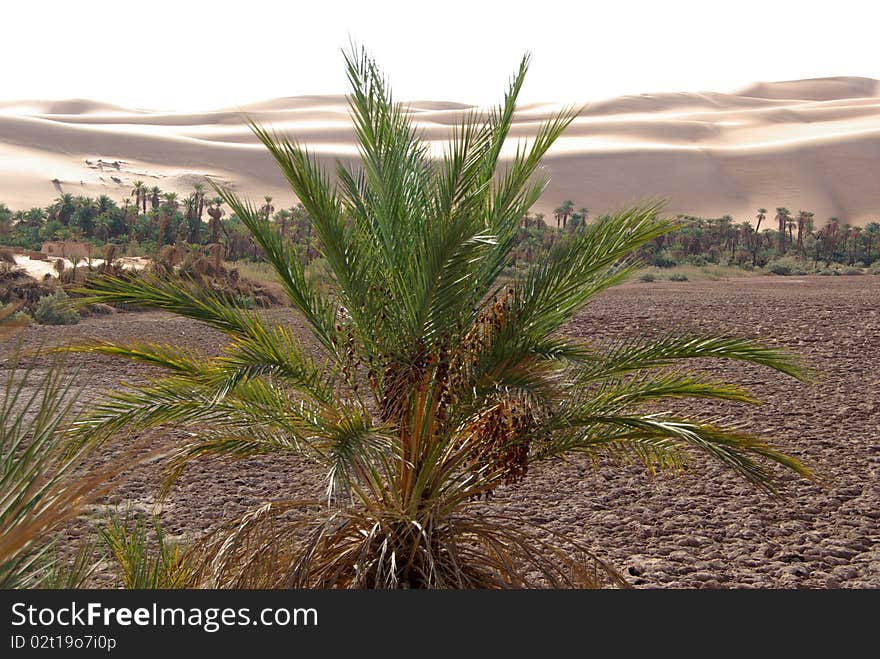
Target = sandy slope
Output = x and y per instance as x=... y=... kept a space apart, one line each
x=811 y=144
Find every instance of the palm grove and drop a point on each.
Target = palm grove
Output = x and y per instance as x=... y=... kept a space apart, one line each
x=435 y=380
x=150 y=219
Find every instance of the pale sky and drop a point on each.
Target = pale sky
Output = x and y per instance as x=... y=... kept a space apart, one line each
x=191 y=54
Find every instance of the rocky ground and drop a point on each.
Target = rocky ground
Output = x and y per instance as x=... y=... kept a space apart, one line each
x=706 y=529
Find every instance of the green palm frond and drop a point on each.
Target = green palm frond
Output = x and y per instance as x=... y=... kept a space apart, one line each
x=176 y=295
x=633 y=355
x=662 y=439
x=302 y=292
x=272 y=351
x=643 y=388
x=169 y=357
x=587 y=262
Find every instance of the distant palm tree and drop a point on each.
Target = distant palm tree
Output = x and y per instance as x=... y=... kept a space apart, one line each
x=155 y=197
x=567 y=208
x=871 y=233
x=32 y=218
x=303 y=225
x=170 y=199
x=64 y=208
x=834 y=233
x=756 y=237
x=105 y=204
x=804 y=219
x=283 y=218
x=782 y=217
x=267 y=209
x=199 y=192
x=854 y=239
x=190 y=204
x=762 y=213
x=434 y=382
x=140 y=196
x=166 y=212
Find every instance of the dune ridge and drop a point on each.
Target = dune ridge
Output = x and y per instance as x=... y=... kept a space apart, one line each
x=806 y=144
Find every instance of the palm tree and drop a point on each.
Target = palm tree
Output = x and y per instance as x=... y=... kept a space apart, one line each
x=565 y=211
x=267 y=209
x=188 y=229
x=155 y=197
x=171 y=201
x=303 y=225
x=140 y=195
x=802 y=219
x=166 y=212
x=434 y=384
x=762 y=214
x=871 y=232
x=830 y=239
x=84 y=216
x=190 y=204
x=32 y=218
x=782 y=216
x=854 y=233
x=199 y=193
x=283 y=218
x=64 y=208
x=129 y=218
x=728 y=236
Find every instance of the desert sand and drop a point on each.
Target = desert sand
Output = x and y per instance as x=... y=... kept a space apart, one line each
x=809 y=144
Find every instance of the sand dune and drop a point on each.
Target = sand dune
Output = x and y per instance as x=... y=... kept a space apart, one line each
x=807 y=144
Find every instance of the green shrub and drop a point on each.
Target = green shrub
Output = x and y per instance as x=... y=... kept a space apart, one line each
x=56 y=309
x=647 y=276
x=12 y=319
x=662 y=259
x=697 y=260
x=21 y=319
x=764 y=256
x=678 y=276
x=786 y=266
